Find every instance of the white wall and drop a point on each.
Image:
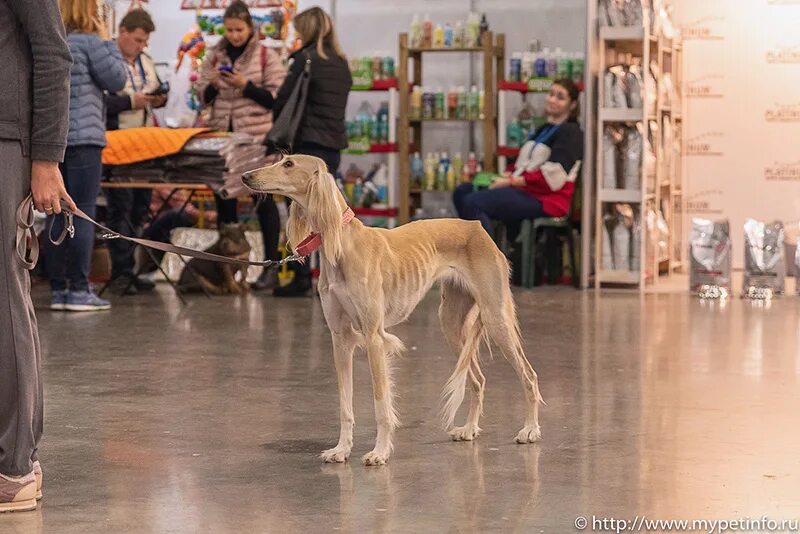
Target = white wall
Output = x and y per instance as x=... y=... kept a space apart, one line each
x=740 y=163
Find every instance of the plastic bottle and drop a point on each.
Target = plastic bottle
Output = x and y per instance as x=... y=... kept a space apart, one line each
x=358 y=190
x=481 y=102
x=552 y=64
x=483 y=28
x=441 y=178
x=563 y=64
x=381 y=181
x=388 y=66
x=417 y=170
x=458 y=35
x=430 y=172
x=515 y=67
x=427 y=32
x=473 y=103
x=540 y=64
x=452 y=103
x=427 y=104
x=383 y=123
x=578 y=65
x=514 y=134
x=448 y=36
x=458 y=166
x=364 y=118
x=472 y=165
x=415 y=36
x=465 y=177
x=473 y=31
x=439 y=105
x=461 y=108
x=416 y=102
x=450 y=179
x=438 y=37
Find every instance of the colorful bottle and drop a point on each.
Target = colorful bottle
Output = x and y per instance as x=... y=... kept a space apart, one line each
x=417 y=170
x=427 y=32
x=481 y=102
x=472 y=165
x=461 y=107
x=564 y=64
x=381 y=182
x=450 y=178
x=448 y=36
x=427 y=105
x=388 y=67
x=458 y=35
x=473 y=104
x=552 y=64
x=483 y=28
x=430 y=172
x=540 y=65
x=416 y=103
x=438 y=37
x=515 y=67
x=465 y=177
x=452 y=103
x=514 y=134
x=416 y=32
x=458 y=166
x=473 y=31
x=439 y=105
x=578 y=65
x=441 y=178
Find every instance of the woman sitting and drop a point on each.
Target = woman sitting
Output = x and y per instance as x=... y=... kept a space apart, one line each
x=542 y=181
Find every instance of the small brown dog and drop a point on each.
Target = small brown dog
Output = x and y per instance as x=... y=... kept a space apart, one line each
x=219 y=278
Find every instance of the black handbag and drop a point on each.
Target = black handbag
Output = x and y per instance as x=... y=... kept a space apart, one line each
x=282 y=135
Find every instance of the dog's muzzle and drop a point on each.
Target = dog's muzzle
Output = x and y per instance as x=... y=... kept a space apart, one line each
x=248 y=179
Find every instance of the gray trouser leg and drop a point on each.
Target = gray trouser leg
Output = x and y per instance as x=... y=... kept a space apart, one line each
x=20 y=354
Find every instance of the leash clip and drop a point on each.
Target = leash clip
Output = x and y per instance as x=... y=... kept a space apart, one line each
x=70 y=225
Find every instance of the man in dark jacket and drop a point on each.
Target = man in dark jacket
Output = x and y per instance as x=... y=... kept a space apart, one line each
x=34 y=114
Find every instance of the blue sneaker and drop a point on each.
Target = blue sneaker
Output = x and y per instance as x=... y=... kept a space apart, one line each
x=58 y=299
x=81 y=301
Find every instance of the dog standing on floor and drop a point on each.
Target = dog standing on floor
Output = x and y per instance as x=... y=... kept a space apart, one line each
x=373 y=278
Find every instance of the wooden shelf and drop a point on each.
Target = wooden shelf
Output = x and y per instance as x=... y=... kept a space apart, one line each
x=621 y=115
x=631 y=196
x=377 y=85
x=415 y=51
x=415 y=121
x=627 y=33
x=387 y=148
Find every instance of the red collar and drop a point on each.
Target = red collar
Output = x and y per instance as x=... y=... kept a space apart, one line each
x=314 y=240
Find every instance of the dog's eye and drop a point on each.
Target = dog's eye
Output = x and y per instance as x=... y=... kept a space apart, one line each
x=288 y=164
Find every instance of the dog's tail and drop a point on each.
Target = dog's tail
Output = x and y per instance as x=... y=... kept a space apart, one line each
x=453 y=394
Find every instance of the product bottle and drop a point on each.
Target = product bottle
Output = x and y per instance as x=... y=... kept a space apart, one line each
x=552 y=64
x=461 y=108
x=430 y=172
x=427 y=32
x=416 y=32
x=452 y=103
x=448 y=36
x=439 y=105
x=438 y=37
x=473 y=31
x=364 y=118
x=540 y=65
x=417 y=170
x=458 y=35
x=515 y=71
x=451 y=178
x=514 y=134
x=465 y=177
x=358 y=190
x=473 y=104
x=563 y=64
x=441 y=178
x=383 y=123
x=416 y=102
x=381 y=181
x=578 y=65
x=472 y=165
x=481 y=102
x=483 y=28
x=458 y=166
x=427 y=104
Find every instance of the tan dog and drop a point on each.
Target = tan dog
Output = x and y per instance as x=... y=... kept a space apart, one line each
x=373 y=278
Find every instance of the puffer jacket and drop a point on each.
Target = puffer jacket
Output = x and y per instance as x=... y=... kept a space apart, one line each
x=231 y=110
x=323 y=117
x=97 y=66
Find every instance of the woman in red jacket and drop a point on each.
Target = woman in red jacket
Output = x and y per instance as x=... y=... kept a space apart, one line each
x=542 y=180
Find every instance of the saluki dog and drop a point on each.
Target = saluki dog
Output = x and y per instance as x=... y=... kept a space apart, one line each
x=373 y=278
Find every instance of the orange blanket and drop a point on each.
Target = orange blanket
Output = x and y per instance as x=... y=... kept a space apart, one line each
x=140 y=144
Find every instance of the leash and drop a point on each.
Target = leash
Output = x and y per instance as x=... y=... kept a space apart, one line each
x=28 y=246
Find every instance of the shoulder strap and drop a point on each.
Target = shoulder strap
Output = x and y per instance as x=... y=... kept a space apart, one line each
x=263 y=59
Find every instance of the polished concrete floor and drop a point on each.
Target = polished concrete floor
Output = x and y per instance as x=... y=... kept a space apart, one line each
x=209 y=418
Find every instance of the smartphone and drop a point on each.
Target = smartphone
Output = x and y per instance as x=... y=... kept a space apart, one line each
x=225 y=68
x=162 y=89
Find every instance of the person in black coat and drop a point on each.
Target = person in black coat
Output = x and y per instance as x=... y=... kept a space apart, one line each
x=322 y=129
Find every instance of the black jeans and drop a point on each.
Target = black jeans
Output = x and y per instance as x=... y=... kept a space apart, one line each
x=68 y=265
x=127 y=211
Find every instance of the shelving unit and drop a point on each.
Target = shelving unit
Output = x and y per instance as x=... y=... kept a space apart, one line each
x=390 y=149
x=410 y=132
x=660 y=192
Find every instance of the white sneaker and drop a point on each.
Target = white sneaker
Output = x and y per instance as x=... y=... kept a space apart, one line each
x=18 y=494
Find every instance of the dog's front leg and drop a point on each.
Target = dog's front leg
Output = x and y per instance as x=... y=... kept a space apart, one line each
x=385 y=415
x=229 y=283
x=343 y=347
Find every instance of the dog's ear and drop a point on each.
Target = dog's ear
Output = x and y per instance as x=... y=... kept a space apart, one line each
x=325 y=209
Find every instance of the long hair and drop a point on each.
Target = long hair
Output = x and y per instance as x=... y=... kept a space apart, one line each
x=323 y=215
x=314 y=25
x=80 y=16
x=574 y=93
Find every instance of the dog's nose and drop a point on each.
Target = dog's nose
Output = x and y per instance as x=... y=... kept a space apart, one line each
x=247 y=178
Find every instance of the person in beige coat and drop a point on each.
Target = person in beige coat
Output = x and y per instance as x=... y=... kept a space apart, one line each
x=238 y=82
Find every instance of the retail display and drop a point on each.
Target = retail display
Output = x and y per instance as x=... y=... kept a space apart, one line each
x=639 y=136
x=368 y=70
x=764 y=259
x=420 y=105
x=440 y=172
x=424 y=34
x=710 y=255
x=621 y=239
x=539 y=67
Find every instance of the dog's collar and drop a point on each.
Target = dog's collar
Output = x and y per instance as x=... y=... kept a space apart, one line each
x=314 y=240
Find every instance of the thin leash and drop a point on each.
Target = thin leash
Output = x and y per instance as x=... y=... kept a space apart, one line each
x=28 y=245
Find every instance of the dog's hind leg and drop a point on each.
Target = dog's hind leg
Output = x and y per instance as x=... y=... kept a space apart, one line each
x=344 y=345
x=378 y=345
x=459 y=325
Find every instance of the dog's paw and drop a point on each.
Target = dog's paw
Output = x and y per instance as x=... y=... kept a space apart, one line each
x=375 y=458
x=465 y=433
x=335 y=455
x=529 y=434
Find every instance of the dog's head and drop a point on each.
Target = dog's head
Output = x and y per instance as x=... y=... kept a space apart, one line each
x=318 y=205
x=233 y=241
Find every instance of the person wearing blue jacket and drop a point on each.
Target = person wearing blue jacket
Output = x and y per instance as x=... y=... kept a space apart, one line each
x=97 y=67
